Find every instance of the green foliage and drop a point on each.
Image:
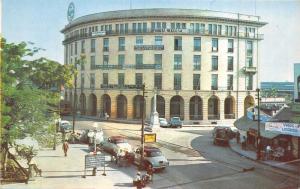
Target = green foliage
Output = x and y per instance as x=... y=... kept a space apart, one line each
x=28 y=95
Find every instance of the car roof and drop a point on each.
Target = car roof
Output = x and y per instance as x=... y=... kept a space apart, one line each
x=151 y=148
x=117 y=137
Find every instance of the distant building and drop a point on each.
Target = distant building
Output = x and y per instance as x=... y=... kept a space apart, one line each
x=275 y=95
x=297 y=81
x=282 y=88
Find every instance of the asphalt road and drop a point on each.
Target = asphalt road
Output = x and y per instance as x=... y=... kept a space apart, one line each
x=196 y=163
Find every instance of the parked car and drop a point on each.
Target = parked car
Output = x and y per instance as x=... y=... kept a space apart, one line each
x=175 y=122
x=94 y=136
x=152 y=156
x=163 y=122
x=65 y=125
x=116 y=144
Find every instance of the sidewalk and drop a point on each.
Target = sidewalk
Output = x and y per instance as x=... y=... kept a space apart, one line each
x=66 y=172
x=291 y=167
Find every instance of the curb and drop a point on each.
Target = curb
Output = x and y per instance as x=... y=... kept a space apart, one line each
x=134 y=122
x=262 y=162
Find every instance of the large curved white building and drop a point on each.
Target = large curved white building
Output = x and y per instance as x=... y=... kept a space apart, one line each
x=203 y=64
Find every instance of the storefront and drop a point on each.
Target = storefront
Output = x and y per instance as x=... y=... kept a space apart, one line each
x=289 y=138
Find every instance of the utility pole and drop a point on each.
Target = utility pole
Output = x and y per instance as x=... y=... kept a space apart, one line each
x=80 y=62
x=258 y=126
x=74 y=98
x=142 y=133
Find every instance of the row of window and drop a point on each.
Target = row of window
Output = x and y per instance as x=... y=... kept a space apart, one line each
x=177 y=81
x=142 y=27
x=158 y=40
x=158 y=61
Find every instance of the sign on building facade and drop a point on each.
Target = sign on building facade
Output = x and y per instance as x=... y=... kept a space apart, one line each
x=292 y=129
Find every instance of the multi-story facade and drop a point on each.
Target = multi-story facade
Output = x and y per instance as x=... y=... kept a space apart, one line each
x=201 y=64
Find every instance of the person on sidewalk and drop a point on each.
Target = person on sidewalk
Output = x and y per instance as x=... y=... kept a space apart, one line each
x=238 y=137
x=138 y=180
x=65 y=148
x=268 y=152
x=150 y=172
x=244 y=143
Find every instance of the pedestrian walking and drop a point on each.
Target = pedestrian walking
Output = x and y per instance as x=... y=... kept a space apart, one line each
x=238 y=137
x=150 y=172
x=268 y=152
x=138 y=180
x=65 y=147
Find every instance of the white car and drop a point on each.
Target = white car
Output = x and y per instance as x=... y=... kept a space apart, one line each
x=65 y=125
x=116 y=145
x=163 y=122
x=152 y=156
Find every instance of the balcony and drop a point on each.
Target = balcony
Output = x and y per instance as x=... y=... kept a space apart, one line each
x=148 y=47
x=177 y=67
x=197 y=66
x=250 y=69
x=158 y=32
x=229 y=116
x=117 y=86
x=214 y=87
x=126 y=66
x=214 y=116
x=249 y=87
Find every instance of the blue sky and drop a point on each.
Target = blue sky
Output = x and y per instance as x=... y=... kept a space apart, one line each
x=40 y=21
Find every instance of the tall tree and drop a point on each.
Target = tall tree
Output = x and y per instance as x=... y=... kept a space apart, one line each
x=26 y=94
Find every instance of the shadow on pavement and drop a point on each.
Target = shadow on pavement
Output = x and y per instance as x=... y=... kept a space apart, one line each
x=124 y=185
x=64 y=176
x=60 y=171
x=49 y=156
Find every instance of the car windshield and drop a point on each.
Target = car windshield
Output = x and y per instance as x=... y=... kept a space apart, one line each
x=162 y=119
x=119 y=141
x=175 y=119
x=153 y=153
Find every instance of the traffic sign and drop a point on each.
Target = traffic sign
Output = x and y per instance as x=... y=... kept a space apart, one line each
x=149 y=138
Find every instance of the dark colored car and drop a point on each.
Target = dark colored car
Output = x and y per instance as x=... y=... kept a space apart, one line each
x=175 y=122
x=221 y=136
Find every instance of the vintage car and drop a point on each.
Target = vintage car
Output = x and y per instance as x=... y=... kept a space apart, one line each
x=221 y=135
x=65 y=126
x=116 y=145
x=163 y=122
x=175 y=122
x=152 y=156
x=95 y=136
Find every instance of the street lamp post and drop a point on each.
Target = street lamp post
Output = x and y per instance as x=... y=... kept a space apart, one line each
x=258 y=126
x=143 y=127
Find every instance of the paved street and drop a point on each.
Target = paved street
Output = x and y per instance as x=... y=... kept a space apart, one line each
x=194 y=163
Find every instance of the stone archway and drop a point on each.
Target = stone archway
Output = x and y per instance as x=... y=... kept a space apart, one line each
x=106 y=104
x=92 y=105
x=213 y=108
x=82 y=104
x=177 y=107
x=121 y=107
x=248 y=102
x=229 y=107
x=196 y=112
x=139 y=107
x=160 y=105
